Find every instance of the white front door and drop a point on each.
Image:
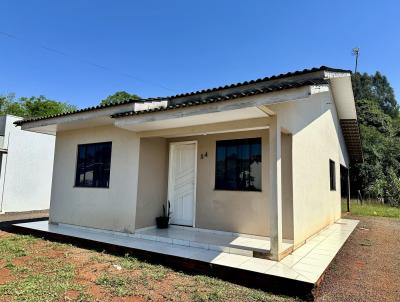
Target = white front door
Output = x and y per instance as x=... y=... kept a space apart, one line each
x=182 y=182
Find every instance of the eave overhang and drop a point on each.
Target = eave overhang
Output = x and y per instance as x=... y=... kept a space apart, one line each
x=352 y=138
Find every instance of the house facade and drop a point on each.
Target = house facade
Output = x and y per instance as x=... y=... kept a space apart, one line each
x=26 y=168
x=259 y=158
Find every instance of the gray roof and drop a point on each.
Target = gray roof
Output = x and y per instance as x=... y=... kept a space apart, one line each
x=192 y=101
x=195 y=93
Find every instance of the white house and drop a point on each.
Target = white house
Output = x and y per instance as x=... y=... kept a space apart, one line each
x=259 y=159
x=26 y=167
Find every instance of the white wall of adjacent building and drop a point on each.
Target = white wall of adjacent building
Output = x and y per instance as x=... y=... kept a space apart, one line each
x=26 y=168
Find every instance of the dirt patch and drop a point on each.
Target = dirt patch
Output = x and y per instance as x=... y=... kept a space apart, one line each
x=71 y=295
x=90 y=273
x=95 y=291
x=129 y=299
x=6 y=276
x=368 y=266
x=20 y=261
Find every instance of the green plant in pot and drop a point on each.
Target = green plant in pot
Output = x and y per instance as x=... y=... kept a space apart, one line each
x=163 y=221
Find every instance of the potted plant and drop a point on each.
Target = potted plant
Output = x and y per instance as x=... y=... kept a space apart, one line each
x=163 y=221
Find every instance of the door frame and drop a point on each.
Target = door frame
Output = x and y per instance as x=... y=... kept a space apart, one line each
x=171 y=179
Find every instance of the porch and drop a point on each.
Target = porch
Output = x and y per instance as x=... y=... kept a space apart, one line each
x=183 y=160
x=184 y=166
x=297 y=274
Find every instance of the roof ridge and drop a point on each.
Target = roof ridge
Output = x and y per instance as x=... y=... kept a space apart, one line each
x=269 y=78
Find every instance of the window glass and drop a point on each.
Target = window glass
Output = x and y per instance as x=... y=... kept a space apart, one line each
x=93 y=165
x=238 y=165
x=332 y=175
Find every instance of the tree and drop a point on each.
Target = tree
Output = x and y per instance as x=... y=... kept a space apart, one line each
x=393 y=190
x=33 y=106
x=119 y=97
x=8 y=105
x=378 y=116
x=375 y=88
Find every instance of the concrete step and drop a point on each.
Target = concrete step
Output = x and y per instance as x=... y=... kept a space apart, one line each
x=233 y=243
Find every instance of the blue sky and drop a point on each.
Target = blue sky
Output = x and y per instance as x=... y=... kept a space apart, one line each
x=81 y=51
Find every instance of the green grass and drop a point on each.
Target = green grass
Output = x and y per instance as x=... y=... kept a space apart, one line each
x=117 y=284
x=54 y=279
x=15 y=246
x=206 y=288
x=144 y=277
x=41 y=275
x=39 y=278
x=370 y=208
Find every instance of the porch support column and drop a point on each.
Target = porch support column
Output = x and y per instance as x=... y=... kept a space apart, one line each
x=275 y=187
x=348 y=189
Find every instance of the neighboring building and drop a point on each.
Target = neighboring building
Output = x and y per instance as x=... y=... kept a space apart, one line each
x=26 y=161
x=259 y=158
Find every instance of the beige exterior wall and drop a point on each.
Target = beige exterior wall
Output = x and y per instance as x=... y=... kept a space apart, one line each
x=316 y=138
x=287 y=187
x=114 y=208
x=110 y=209
x=234 y=211
x=153 y=180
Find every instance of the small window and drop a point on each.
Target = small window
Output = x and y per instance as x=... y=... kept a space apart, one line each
x=332 y=175
x=93 y=165
x=238 y=165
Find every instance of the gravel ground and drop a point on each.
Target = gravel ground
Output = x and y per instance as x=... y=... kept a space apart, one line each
x=368 y=266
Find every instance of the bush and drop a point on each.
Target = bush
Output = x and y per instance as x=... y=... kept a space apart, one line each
x=392 y=189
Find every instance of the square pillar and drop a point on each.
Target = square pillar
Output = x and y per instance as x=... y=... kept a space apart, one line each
x=275 y=188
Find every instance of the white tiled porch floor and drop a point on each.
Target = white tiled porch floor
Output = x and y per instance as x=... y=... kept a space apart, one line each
x=307 y=263
x=233 y=243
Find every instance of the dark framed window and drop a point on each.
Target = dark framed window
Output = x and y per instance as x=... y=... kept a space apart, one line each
x=93 y=165
x=332 y=175
x=238 y=165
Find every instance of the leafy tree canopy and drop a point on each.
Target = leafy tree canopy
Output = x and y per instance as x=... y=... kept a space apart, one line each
x=376 y=88
x=33 y=106
x=118 y=97
x=378 y=116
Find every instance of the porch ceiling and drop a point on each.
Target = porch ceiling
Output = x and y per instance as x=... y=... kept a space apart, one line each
x=222 y=127
x=179 y=121
x=71 y=124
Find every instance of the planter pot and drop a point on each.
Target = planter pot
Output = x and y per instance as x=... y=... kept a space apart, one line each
x=162 y=222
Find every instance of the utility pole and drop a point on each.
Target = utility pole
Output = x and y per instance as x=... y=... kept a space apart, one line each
x=355 y=52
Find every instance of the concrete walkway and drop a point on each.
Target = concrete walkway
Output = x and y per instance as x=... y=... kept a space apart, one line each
x=306 y=264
